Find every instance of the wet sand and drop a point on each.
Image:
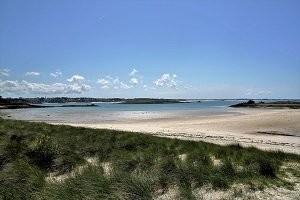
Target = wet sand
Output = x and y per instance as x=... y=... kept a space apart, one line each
x=271 y=129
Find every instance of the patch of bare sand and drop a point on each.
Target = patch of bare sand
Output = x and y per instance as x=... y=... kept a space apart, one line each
x=54 y=177
x=272 y=129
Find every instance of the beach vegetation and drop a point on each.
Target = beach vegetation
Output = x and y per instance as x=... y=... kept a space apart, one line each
x=125 y=165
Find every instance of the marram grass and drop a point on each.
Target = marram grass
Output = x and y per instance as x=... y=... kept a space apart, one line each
x=127 y=165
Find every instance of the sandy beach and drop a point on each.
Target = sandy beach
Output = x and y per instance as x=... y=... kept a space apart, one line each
x=272 y=129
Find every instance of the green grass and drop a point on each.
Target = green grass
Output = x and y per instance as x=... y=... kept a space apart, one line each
x=143 y=166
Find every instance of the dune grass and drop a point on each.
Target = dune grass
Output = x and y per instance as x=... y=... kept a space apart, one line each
x=141 y=166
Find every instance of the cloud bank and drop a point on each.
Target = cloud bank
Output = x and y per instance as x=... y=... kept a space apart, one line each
x=23 y=87
x=131 y=84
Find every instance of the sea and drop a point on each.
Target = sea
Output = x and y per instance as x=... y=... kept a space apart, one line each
x=110 y=112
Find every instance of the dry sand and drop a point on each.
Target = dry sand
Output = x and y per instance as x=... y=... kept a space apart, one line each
x=272 y=129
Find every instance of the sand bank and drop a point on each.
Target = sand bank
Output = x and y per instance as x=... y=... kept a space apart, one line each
x=272 y=129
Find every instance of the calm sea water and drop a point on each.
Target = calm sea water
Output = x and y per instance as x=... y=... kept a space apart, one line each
x=208 y=104
x=105 y=112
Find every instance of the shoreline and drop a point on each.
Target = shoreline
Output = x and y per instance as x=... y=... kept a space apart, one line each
x=264 y=128
x=268 y=129
x=270 y=144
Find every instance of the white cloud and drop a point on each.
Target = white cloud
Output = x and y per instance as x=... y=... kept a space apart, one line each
x=166 y=80
x=125 y=86
x=76 y=78
x=116 y=81
x=4 y=72
x=134 y=81
x=41 y=88
x=108 y=82
x=56 y=74
x=105 y=87
x=103 y=81
x=8 y=85
x=145 y=87
x=133 y=72
x=116 y=84
x=161 y=81
x=32 y=74
x=77 y=88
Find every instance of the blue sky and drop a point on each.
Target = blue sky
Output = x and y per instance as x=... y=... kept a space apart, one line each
x=168 y=49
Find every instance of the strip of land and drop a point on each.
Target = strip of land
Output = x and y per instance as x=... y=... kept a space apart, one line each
x=18 y=103
x=261 y=104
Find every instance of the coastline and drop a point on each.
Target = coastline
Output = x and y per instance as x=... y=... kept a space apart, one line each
x=264 y=128
x=269 y=129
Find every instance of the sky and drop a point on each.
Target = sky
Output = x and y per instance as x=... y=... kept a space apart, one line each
x=150 y=48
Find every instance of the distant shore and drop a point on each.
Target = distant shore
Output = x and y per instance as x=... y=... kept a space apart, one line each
x=19 y=103
x=261 y=104
x=13 y=103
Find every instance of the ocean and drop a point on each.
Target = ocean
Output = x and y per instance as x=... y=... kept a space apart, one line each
x=105 y=112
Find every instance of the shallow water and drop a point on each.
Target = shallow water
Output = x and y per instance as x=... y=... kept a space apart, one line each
x=206 y=104
x=105 y=112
